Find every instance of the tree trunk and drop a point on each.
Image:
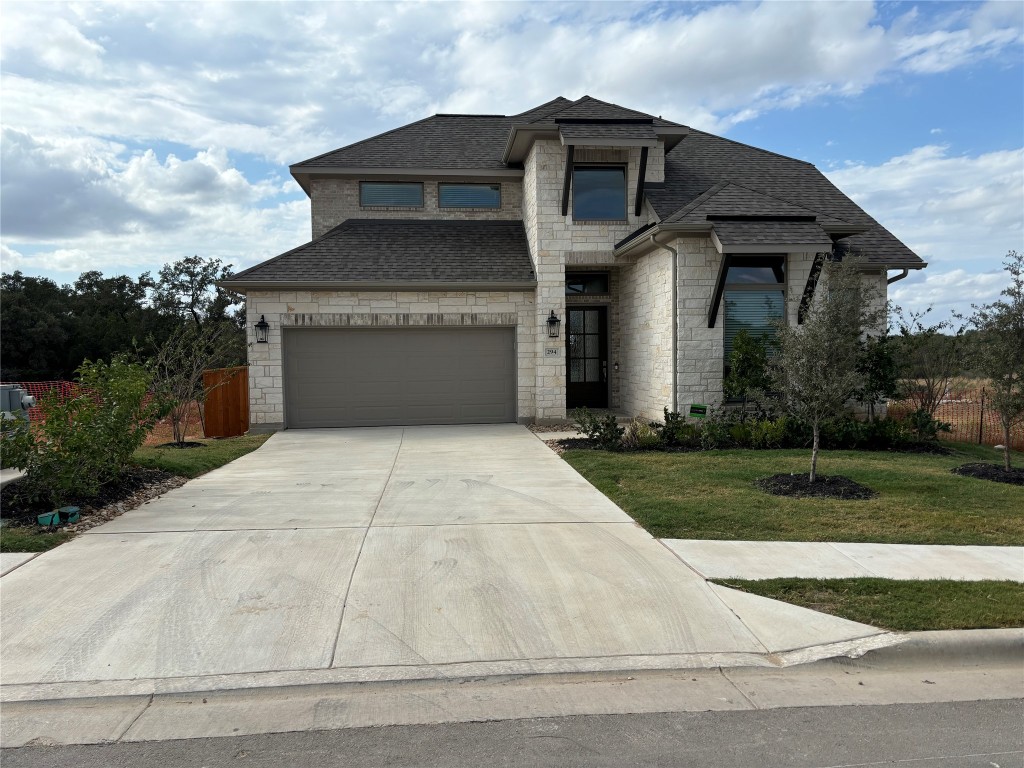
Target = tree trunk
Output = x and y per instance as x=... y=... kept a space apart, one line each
x=814 y=453
x=1006 y=446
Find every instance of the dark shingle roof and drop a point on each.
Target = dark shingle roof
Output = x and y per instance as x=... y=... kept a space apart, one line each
x=728 y=199
x=607 y=131
x=771 y=233
x=701 y=161
x=406 y=251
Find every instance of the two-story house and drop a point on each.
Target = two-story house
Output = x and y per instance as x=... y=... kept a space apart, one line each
x=491 y=268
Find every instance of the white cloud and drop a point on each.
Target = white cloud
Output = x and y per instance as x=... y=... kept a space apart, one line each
x=959 y=213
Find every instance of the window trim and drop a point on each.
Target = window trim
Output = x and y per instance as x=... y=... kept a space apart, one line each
x=497 y=184
x=415 y=206
x=624 y=167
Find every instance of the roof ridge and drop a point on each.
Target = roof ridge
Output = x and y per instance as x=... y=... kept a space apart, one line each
x=541 y=106
x=587 y=98
x=707 y=194
x=790 y=202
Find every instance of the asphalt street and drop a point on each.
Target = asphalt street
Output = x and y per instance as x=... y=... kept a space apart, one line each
x=947 y=735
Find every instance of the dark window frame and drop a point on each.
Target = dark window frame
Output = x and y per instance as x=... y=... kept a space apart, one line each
x=569 y=276
x=624 y=167
x=442 y=184
x=778 y=263
x=363 y=204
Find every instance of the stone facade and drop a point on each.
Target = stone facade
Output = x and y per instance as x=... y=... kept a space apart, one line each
x=295 y=309
x=333 y=201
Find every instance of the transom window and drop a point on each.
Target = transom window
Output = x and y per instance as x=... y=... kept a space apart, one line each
x=598 y=192
x=755 y=297
x=469 y=195
x=579 y=283
x=391 y=194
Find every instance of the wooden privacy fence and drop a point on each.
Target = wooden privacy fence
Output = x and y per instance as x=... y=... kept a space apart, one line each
x=226 y=410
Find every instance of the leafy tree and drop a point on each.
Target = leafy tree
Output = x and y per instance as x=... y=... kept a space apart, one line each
x=880 y=370
x=188 y=289
x=36 y=317
x=748 y=367
x=815 y=372
x=998 y=353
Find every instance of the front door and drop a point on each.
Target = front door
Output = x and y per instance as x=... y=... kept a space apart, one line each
x=587 y=353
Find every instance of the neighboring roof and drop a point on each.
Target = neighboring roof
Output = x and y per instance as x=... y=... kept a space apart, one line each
x=764 y=233
x=403 y=251
x=702 y=165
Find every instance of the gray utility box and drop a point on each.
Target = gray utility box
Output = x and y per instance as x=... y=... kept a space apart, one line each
x=15 y=401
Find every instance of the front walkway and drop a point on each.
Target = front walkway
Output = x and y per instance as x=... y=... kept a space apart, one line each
x=826 y=560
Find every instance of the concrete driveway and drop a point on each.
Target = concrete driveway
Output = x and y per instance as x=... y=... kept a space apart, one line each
x=375 y=554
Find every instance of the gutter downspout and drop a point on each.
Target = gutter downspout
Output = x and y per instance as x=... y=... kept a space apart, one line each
x=675 y=321
x=900 y=276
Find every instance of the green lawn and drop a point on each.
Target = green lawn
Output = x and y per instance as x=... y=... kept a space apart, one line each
x=30 y=539
x=902 y=606
x=192 y=462
x=710 y=495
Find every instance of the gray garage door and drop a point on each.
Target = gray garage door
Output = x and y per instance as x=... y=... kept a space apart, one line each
x=348 y=377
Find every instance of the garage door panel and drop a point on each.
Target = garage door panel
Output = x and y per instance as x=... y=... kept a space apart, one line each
x=392 y=377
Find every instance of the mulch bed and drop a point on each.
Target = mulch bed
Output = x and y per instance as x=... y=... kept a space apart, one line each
x=824 y=487
x=137 y=486
x=189 y=444
x=992 y=472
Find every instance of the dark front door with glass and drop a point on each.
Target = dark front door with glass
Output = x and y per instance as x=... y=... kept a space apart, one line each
x=587 y=352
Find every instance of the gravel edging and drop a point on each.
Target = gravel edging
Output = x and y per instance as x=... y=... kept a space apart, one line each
x=92 y=517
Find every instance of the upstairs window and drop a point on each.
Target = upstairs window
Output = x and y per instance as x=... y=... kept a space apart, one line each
x=599 y=193
x=391 y=194
x=469 y=195
x=755 y=297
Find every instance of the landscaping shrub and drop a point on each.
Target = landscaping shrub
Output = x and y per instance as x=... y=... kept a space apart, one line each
x=88 y=439
x=677 y=433
x=605 y=432
x=925 y=425
x=641 y=435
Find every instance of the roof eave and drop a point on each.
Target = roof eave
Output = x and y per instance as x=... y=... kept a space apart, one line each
x=243 y=286
x=521 y=136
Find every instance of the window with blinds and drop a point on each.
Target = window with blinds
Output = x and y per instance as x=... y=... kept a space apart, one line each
x=469 y=195
x=755 y=298
x=391 y=194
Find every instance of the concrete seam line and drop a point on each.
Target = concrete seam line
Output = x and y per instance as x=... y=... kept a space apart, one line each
x=362 y=542
x=679 y=557
x=753 y=705
x=16 y=567
x=855 y=561
x=149 y=703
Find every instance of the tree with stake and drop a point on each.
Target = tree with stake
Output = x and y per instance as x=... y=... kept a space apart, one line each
x=998 y=353
x=815 y=371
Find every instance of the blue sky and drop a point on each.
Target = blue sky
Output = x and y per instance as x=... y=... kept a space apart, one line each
x=139 y=133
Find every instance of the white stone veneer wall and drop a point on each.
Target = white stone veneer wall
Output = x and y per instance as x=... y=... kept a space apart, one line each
x=450 y=308
x=645 y=310
x=555 y=240
x=333 y=201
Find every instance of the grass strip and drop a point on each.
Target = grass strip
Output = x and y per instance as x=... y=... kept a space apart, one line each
x=711 y=495
x=193 y=462
x=902 y=606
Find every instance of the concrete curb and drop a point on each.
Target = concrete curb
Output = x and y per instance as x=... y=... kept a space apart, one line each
x=962 y=647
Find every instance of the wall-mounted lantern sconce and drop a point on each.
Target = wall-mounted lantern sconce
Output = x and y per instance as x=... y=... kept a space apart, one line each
x=616 y=367
x=553 y=324
x=262 y=330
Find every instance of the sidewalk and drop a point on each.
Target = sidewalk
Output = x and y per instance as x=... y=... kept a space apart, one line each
x=826 y=560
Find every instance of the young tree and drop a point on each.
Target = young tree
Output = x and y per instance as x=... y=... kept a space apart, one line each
x=932 y=355
x=998 y=352
x=179 y=365
x=815 y=371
